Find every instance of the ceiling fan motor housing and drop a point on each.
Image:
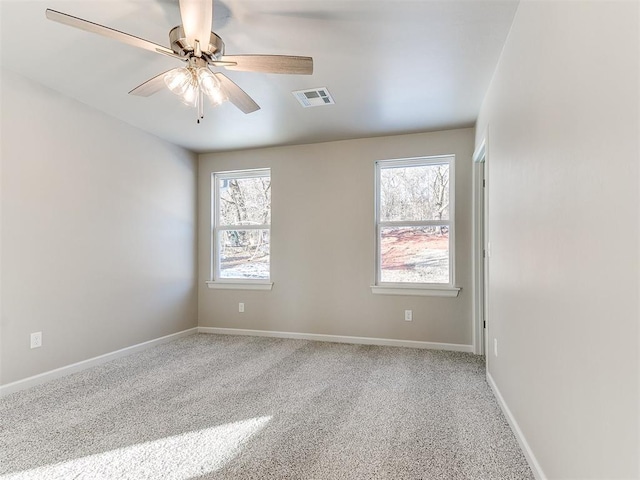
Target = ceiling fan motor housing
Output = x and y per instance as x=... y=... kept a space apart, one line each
x=179 y=45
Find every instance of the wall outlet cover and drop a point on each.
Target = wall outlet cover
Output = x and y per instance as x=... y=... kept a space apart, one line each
x=36 y=340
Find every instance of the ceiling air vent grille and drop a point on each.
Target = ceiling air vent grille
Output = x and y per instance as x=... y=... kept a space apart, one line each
x=315 y=97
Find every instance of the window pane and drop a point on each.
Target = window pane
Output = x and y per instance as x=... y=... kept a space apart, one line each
x=414 y=193
x=245 y=201
x=414 y=254
x=244 y=254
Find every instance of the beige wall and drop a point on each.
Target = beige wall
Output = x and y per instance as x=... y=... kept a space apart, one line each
x=562 y=122
x=98 y=242
x=323 y=234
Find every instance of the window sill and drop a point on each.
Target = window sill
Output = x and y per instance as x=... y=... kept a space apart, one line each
x=434 y=291
x=222 y=285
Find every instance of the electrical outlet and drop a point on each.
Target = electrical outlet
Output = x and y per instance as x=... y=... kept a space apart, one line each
x=241 y=307
x=36 y=340
x=495 y=347
x=408 y=315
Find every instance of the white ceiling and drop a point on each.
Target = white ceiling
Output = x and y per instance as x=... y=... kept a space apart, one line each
x=394 y=66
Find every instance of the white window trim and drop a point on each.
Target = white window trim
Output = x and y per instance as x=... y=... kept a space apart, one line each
x=422 y=289
x=428 y=290
x=215 y=281
x=239 y=285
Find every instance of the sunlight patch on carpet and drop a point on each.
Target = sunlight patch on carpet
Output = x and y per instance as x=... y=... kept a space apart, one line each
x=179 y=457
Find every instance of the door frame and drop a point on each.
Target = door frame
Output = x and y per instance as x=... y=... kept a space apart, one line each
x=480 y=247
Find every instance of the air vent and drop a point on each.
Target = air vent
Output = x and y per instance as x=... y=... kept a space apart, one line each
x=315 y=97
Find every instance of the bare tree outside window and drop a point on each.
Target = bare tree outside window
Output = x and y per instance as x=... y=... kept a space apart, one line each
x=414 y=221
x=242 y=206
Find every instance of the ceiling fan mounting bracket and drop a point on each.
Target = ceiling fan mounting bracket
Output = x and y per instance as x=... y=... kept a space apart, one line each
x=179 y=45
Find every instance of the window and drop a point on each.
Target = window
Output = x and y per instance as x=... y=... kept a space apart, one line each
x=415 y=223
x=241 y=219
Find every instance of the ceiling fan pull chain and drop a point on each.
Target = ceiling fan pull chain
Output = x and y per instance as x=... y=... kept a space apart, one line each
x=198 y=108
x=200 y=104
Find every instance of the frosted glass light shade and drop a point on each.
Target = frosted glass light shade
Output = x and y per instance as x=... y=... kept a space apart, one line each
x=191 y=82
x=177 y=80
x=210 y=86
x=190 y=95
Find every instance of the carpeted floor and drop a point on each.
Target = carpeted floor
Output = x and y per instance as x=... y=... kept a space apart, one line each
x=214 y=407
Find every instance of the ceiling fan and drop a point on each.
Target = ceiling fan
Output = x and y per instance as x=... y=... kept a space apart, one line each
x=199 y=48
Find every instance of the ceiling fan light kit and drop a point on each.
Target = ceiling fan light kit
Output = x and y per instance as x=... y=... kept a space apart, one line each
x=194 y=43
x=193 y=83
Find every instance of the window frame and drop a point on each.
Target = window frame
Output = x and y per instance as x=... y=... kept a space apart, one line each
x=415 y=288
x=215 y=280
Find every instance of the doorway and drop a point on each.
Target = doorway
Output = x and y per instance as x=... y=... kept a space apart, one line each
x=480 y=250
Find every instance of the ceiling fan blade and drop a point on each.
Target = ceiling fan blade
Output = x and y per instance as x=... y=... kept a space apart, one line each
x=173 y=55
x=197 y=16
x=104 y=31
x=151 y=86
x=236 y=95
x=271 y=63
x=218 y=63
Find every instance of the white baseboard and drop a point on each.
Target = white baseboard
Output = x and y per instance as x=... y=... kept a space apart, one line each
x=524 y=445
x=339 y=339
x=91 y=362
